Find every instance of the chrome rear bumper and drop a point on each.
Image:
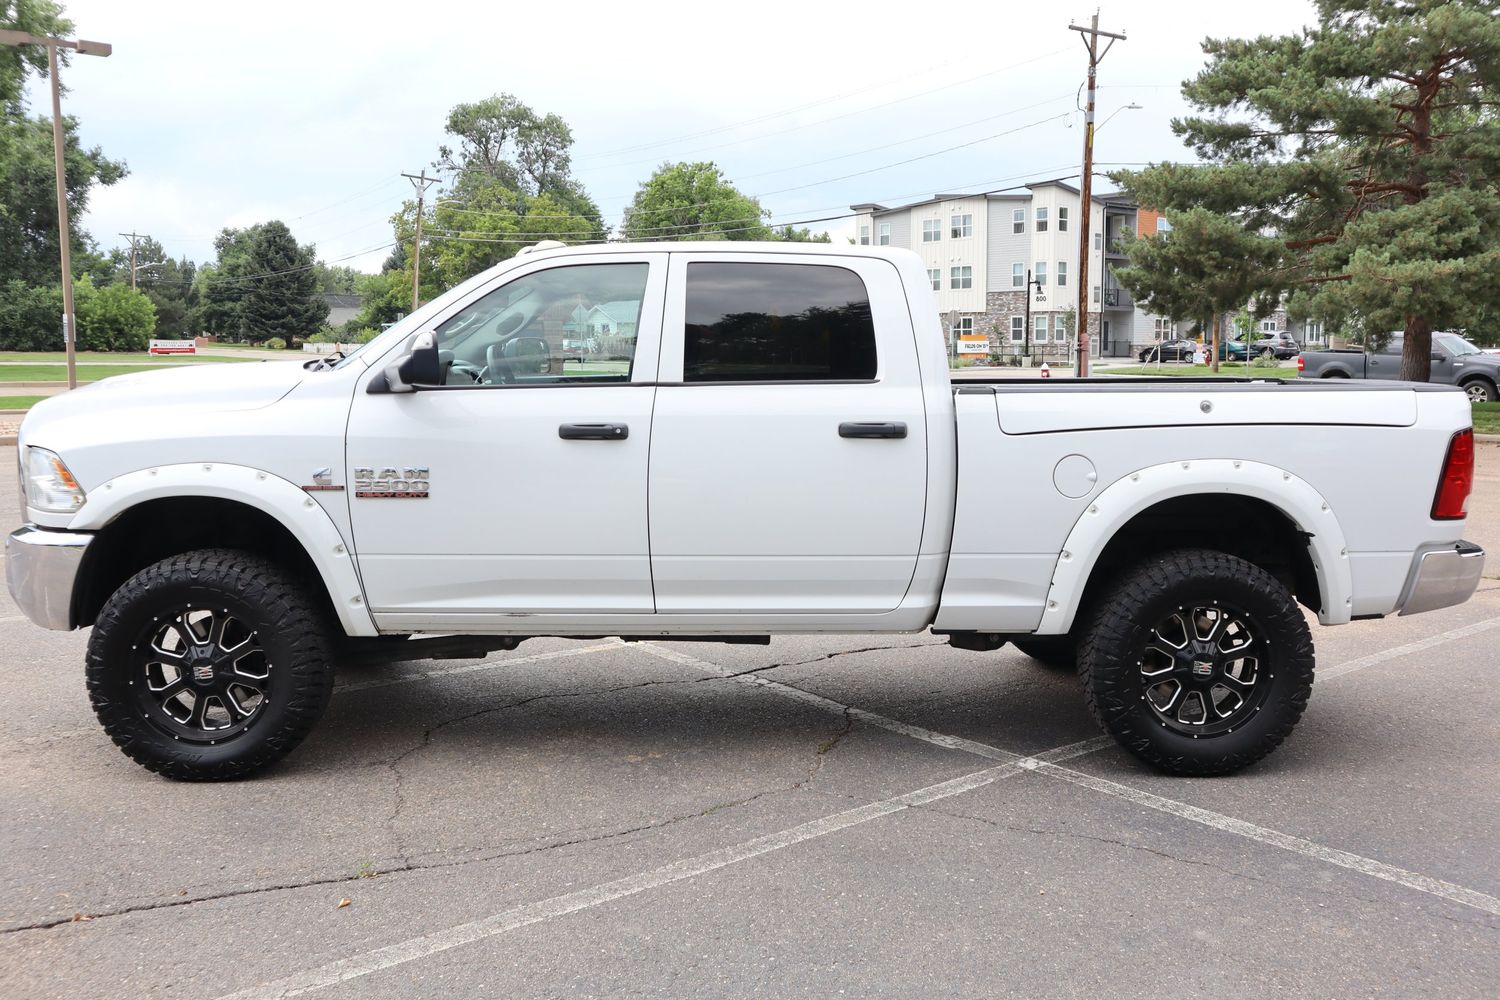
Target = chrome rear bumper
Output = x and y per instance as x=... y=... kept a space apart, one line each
x=41 y=568
x=1442 y=578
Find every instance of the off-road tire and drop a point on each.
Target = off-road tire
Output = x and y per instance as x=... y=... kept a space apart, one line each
x=1122 y=625
x=287 y=624
x=1055 y=652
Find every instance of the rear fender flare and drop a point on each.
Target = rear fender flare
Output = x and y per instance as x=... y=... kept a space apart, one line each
x=1117 y=504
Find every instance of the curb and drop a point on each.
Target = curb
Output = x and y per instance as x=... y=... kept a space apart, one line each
x=1487 y=438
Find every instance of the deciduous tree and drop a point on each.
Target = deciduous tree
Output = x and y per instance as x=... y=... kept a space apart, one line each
x=693 y=201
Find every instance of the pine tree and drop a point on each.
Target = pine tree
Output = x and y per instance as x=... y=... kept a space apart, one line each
x=281 y=296
x=1369 y=148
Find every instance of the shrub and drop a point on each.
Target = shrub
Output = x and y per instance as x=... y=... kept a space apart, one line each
x=114 y=318
x=275 y=344
x=30 y=317
x=1265 y=361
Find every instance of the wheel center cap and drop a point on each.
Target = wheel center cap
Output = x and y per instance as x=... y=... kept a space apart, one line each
x=201 y=664
x=1203 y=668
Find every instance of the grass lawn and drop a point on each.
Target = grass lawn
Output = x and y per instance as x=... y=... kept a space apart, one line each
x=59 y=373
x=19 y=402
x=86 y=356
x=1487 y=418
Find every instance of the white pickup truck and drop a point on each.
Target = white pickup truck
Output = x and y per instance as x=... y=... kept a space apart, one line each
x=761 y=439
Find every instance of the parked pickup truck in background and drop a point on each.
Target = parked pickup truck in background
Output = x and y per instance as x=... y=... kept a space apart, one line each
x=779 y=450
x=1455 y=361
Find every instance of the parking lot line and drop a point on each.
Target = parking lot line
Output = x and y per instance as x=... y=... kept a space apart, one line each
x=1394 y=652
x=335 y=973
x=468 y=668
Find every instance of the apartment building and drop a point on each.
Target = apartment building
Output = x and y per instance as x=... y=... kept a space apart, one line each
x=982 y=249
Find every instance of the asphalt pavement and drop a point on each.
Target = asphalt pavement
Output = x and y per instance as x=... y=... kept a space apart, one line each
x=863 y=816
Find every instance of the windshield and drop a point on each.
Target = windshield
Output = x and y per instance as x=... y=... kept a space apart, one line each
x=1455 y=345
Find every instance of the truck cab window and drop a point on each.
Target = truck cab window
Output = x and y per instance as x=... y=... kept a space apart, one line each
x=562 y=325
x=776 y=323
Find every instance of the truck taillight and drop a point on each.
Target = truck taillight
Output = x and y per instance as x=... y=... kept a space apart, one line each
x=1301 y=365
x=1452 y=500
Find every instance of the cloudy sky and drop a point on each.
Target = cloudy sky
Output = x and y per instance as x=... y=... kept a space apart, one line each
x=231 y=114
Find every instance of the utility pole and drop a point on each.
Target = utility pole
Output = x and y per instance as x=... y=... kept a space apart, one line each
x=134 y=242
x=89 y=49
x=1091 y=36
x=421 y=182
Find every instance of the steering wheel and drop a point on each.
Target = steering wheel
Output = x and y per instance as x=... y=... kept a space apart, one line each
x=498 y=367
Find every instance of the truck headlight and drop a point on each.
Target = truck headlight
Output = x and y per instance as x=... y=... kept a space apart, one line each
x=49 y=485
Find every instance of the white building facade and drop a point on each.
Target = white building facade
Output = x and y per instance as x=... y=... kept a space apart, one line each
x=981 y=250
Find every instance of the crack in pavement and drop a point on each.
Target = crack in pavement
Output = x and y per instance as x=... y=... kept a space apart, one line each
x=407 y=864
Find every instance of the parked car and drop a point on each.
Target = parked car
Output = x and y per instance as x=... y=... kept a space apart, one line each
x=577 y=350
x=1170 y=350
x=1455 y=361
x=785 y=454
x=1279 y=345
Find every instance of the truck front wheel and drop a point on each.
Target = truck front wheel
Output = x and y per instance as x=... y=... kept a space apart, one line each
x=1480 y=391
x=209 y=665
x=1197 y=662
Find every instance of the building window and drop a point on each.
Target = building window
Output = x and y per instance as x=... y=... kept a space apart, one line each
x=932 y=230
x=1017 y=329
x=1162 y=225
x=864 y=236
x=885 y=234
x=935 y=275
x=1062 y=268
x=1041 y=272
x=1041 y=220
x=961 y=226
x=1018 y=276
x=965 y=325
x=1039 y=334
x=1096 y=295
x=1165 y=328
x=774 y=322
x=961 y=277
x=1268 y=326
x=1312 y=331
x=1018 y=221
x=1062 y=219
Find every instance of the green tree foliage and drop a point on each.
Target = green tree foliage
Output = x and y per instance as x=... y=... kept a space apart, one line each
x=281 y=297
x=693 y=201
x=35 y=17
x=113 y=318
x=1370 y=145
x=336 y=279
x=386 y=298
x=1206 y=265
x=261 y=284
x=168 y=283
x=790 y=234
x=30 y=317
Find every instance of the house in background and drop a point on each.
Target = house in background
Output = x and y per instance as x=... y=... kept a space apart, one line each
x=342 y=308
x=980 y=249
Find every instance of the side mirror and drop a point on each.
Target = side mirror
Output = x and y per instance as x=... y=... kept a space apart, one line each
x=420 y=366
x=1439 y=356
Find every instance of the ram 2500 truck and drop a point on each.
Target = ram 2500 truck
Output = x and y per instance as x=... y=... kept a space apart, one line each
x=766 y=441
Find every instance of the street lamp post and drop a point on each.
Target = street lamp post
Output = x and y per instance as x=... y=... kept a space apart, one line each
x=1041 y=297
x=70 y=330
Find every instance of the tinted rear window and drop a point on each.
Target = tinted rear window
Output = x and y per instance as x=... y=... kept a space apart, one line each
x=776 y=322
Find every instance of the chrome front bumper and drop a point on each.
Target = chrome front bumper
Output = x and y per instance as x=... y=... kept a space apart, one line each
x=1442 y=578
x=40 y=569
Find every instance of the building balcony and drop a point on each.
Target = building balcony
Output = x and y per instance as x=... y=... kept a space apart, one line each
x=1117 y=298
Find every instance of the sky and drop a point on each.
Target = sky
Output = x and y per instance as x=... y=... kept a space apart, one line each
x=232 y=114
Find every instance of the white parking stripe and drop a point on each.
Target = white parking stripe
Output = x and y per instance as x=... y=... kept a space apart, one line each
x=1275 y=838
x=335 y=973
x=468 y=668
x=1361 y=662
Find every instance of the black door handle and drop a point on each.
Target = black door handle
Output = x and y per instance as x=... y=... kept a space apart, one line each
x=872 y=429
x=594 y=432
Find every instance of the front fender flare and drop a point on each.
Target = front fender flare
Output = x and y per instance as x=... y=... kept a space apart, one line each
x=309 y=524
x=1128 y=496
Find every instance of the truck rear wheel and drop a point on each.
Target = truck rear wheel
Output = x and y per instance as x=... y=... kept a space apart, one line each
x=1198 y=662
x=209 y=665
